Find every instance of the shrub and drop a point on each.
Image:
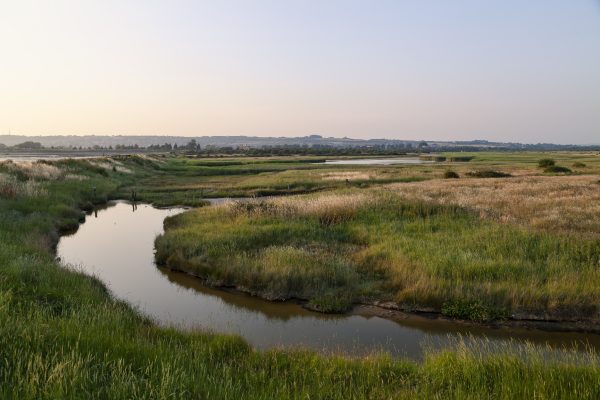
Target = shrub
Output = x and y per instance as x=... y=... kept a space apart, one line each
x=432 y=158
x=488 y=174
x=451 y=175
x=557 y=169
x=86 y=206
x=461 y=158
x=472 y=310
x=579 y=165
x=546 y=162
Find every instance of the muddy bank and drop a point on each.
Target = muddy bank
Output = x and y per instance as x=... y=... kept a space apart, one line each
x=396 y=312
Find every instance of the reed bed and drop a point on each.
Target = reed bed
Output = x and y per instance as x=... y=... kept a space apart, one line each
x=109 y=164
x=63 y=336
x=347 y=175
x=11 y=187
x=33 y=170
x=329 y=208
x=550 y=203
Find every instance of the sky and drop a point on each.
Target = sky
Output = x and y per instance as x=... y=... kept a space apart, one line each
x=502 y=70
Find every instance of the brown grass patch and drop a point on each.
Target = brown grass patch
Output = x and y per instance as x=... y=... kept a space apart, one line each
x=34 y=170
x=343 y=175
x=556 y=203
x=329 y=209
x=10 y=188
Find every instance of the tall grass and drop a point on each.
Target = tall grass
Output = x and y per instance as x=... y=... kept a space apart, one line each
x=558 y=204
x=379 y=246
x=11 y=187
x=63 y=336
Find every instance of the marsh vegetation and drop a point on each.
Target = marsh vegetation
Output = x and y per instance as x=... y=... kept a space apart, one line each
x=384 y=235
x=350 y=246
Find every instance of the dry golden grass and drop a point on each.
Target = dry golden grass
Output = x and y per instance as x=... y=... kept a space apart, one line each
x=34 y=169
x=343 y=175
x=552 y=203
x=317 y=205
x=10 y=187
x=109 y=164
x=329 y=208
x=75 y=177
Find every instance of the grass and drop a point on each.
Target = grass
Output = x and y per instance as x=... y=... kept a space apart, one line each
x=376 y=245
x=279 y=176
x=552 y=204
x=63 y=336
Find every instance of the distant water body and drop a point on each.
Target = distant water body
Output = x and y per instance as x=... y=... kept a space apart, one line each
x=39 y=157
x=377 y=161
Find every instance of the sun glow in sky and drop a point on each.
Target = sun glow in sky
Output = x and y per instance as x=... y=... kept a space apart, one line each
x=508 y=70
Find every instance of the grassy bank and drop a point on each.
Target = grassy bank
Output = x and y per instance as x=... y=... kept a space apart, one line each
x=63 y=336
x=358 y=245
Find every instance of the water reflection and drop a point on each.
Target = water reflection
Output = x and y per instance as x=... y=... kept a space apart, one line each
x=242 y=302
x=378 y=161
x=117 y=246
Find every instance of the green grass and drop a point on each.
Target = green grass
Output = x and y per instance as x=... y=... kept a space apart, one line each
x=242 y=177
x=187 y=181
x=417 y=254
x=63 y=336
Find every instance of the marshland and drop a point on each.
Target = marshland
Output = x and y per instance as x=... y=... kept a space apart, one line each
x=503 y=255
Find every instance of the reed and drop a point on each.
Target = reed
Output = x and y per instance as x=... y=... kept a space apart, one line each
x=567 y=204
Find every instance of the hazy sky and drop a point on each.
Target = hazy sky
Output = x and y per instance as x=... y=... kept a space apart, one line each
x=510 y=70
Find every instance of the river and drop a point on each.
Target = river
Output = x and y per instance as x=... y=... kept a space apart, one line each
x=116 y=244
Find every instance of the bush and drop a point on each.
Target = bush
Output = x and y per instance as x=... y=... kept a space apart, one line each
x=579 y=165
x=451 y=175
x=436 y=158
x=461 y=158
x=472 y=310
x=86 y=206
x=557 y=169
x=546 y=162
x=488 y=174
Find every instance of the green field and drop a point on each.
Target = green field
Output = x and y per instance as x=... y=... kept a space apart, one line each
x=63 y=336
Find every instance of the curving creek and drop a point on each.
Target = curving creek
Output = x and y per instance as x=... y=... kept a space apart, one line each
x=116 y=245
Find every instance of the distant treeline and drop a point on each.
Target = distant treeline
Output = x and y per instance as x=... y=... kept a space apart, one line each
x=394 y=148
